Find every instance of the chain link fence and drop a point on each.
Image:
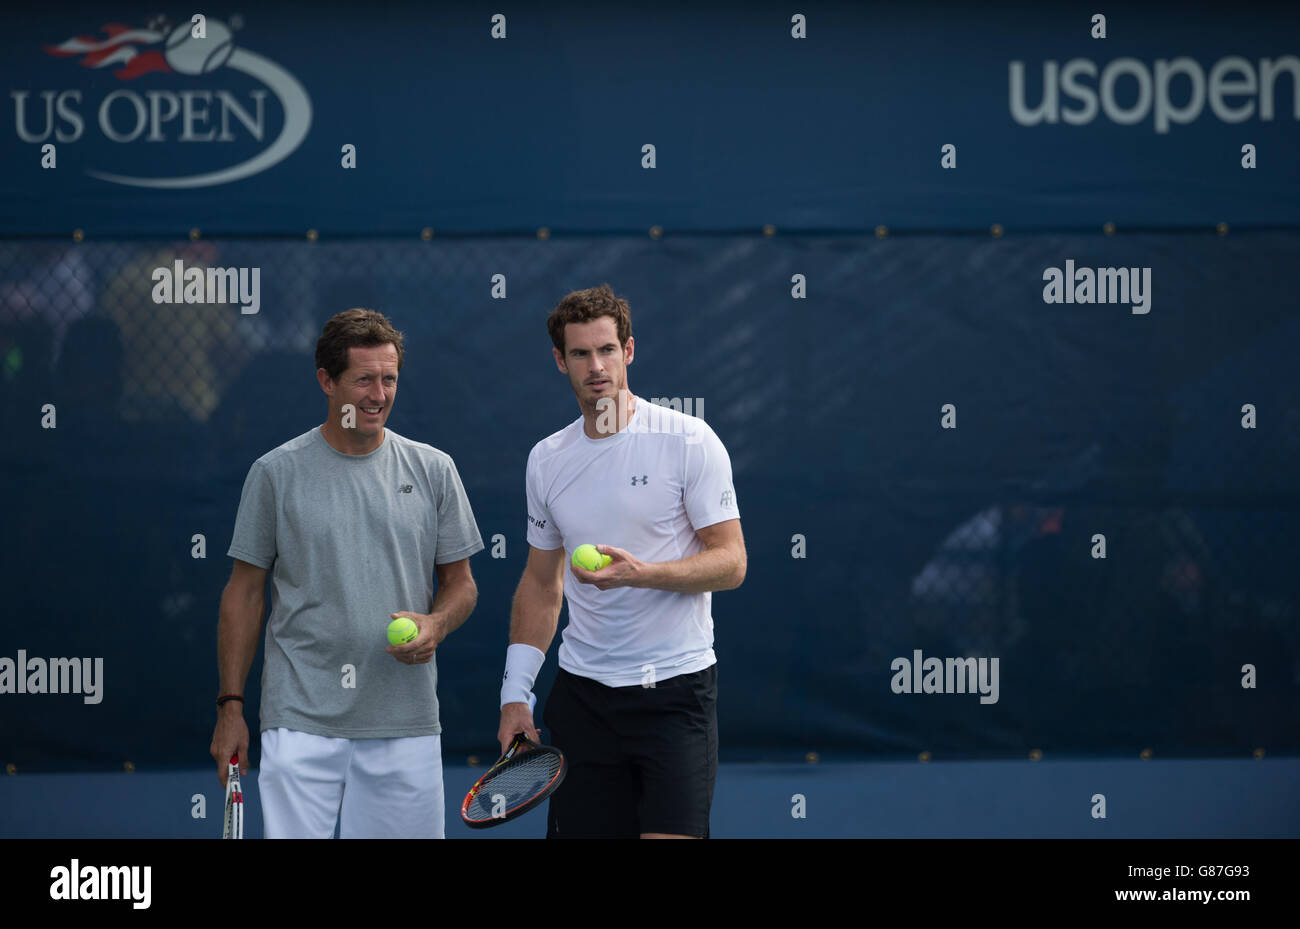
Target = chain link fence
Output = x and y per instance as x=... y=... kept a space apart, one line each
x=977 y=541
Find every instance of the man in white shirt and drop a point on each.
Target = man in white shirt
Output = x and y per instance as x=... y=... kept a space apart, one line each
x=634 y=705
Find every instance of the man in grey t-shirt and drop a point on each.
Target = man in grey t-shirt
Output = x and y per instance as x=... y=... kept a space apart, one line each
x=351 y=522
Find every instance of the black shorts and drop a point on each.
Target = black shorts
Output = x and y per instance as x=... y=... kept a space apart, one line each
x=641 y=759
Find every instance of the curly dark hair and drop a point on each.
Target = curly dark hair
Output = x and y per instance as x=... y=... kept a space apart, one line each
x=582 y=306
x=354 y=328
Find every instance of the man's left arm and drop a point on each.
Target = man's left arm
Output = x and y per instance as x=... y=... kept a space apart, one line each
x=458 y=535
x=710 y=502
x=721 y=566
x=456 y=596
x=454 y=601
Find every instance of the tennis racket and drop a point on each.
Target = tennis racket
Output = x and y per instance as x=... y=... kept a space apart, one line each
x=234 y=827
x=523 y=777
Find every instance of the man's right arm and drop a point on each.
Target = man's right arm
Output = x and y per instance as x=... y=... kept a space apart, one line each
x=538 y=598
x=533 y=620
x=243 y=604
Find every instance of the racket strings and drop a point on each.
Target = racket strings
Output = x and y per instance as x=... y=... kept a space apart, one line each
x=518 y=781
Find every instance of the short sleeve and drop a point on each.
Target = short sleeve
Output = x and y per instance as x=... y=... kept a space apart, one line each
x=255 y=523
x=708 y=492
x=542 y=532
x=458 y=535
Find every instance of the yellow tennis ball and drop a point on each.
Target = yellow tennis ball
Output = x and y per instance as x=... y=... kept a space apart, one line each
x=605 y=560
x=401 y=631
x=586 y=556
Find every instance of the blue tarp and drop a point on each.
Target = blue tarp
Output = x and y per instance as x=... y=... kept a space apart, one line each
x=1071 y=420
x=457 y=131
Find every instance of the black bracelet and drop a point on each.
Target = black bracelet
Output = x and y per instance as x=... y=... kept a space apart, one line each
x=221 y=701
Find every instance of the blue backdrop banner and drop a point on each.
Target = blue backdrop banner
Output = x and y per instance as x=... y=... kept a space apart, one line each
x=591 y=118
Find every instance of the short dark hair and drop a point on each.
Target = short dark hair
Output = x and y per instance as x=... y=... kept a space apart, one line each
x=355 y=328
x=582 y=306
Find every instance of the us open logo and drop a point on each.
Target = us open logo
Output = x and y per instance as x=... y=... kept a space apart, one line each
x=191 y=90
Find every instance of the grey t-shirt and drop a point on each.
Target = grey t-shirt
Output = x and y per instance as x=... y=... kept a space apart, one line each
x=349 y=540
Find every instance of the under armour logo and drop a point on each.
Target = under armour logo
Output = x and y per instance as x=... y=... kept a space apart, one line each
x=404 y=489
x=726 y=499
x=644 y=479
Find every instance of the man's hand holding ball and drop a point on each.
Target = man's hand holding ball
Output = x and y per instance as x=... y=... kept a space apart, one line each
x=414 y=637
x=605 y=566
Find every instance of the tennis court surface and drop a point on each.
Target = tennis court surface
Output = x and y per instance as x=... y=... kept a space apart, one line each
x=1194 y=798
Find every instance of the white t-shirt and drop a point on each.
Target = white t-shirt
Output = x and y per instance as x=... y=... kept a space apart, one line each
x=645 y=489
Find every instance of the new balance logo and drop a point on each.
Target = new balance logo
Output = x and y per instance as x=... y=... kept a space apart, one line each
x=404 y=489
x=644 y=479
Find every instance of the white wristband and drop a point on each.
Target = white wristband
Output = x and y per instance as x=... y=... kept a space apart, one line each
x=522 y=664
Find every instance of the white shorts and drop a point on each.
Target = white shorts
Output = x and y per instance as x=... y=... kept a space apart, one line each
x=372 y=788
